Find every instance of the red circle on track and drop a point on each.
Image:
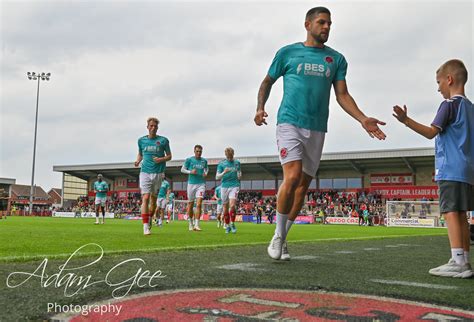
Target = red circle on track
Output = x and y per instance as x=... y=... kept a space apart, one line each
x=251 y=305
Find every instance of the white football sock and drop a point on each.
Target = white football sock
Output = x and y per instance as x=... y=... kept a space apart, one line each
x=289 y=223
x=281 y=220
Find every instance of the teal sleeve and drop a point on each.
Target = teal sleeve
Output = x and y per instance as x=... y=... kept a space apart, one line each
x=341 y=70
x=277 y=68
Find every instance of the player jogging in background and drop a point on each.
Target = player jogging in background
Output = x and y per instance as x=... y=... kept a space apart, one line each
x=100 y=189
x=163 y=194
x=169 y=207
x=217 y=197
x=229 y=172
x=309 y=70
x=196 y=168
x=153 y=153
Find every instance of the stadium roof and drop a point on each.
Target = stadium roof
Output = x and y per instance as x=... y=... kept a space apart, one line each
x=359 y=161
x=7 y=181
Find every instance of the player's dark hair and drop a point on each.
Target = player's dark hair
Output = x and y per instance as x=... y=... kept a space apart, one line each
x=316 y=11
x=197 y=146
x=455 y=68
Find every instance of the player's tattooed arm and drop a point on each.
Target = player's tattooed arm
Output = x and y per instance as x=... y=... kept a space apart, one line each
x=262 y=97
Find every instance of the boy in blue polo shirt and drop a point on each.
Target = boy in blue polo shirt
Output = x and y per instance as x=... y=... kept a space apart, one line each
x=453 y=127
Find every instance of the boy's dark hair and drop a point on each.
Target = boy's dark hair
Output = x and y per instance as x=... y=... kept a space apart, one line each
x=316 y=11
x=455 y=68
x=197 y=146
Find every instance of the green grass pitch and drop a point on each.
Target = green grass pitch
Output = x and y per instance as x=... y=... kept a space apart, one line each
x=29 y=238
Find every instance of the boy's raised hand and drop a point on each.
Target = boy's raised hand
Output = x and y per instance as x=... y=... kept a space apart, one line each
x=400 y=113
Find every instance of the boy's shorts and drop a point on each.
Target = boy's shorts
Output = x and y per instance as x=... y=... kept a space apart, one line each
x=455 y=196
x=296 y=144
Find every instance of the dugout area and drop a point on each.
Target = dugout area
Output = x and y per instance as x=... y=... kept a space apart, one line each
x=394 y=267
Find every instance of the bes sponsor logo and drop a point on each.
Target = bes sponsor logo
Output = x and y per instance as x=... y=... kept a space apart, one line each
x=313 y=69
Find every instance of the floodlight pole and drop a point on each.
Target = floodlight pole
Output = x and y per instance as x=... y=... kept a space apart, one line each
x=32 y=76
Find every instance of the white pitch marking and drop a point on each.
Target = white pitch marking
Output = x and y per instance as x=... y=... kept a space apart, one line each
x=374 y=248
x=246 y=267
x=392 y=246
x=408 y=245
x=250 y=299
x=345 y=252
x=425 y=285
x=305 y=257
x=440 y=317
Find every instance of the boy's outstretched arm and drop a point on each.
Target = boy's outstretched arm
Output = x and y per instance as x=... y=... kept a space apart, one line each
x=400 y=114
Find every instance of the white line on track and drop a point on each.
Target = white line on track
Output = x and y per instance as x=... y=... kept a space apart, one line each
x=305 y=257
x=425 y=285
x=246 y=267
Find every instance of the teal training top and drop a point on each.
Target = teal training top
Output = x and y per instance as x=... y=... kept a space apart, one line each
x=101 y=188
x=170 y=198
x=230 y=179
x=150 y=148
x=200 y=165
x=308 y=74
x=165 y=186
x=218 y=195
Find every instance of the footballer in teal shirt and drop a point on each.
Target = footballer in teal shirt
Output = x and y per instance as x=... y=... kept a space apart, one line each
x=229 y=172
x=153 y=153
x=100 y=187
x=197 y=169
x=162 y=196
x=309 y=70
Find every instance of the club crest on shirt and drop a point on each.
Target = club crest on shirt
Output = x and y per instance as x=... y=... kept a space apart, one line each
x=158 y=142
x=283 y=153
x=329 y=59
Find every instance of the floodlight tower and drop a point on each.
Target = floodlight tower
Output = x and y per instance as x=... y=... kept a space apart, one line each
x=39 y=77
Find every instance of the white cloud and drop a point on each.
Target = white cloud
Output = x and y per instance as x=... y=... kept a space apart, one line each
x=198 y=66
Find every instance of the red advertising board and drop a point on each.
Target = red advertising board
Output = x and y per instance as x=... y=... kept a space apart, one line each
x=408 y=192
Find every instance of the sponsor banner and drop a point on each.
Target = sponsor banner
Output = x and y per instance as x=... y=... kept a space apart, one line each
x=410 y=192
x=65 y=214
x=262 y=305
x=132 y=217
x=411 y=222
x=384 y=179
x=304 y=220
x=342 y=220
x=185 y=217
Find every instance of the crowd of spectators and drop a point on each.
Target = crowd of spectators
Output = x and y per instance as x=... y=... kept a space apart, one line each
x=317 y=203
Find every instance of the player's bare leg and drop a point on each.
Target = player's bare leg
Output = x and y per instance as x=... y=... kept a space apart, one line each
x=198 y=214
x=190 y=215
x=292 y=176
x=146 y=213
x=225 y=207
x=232 y=215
